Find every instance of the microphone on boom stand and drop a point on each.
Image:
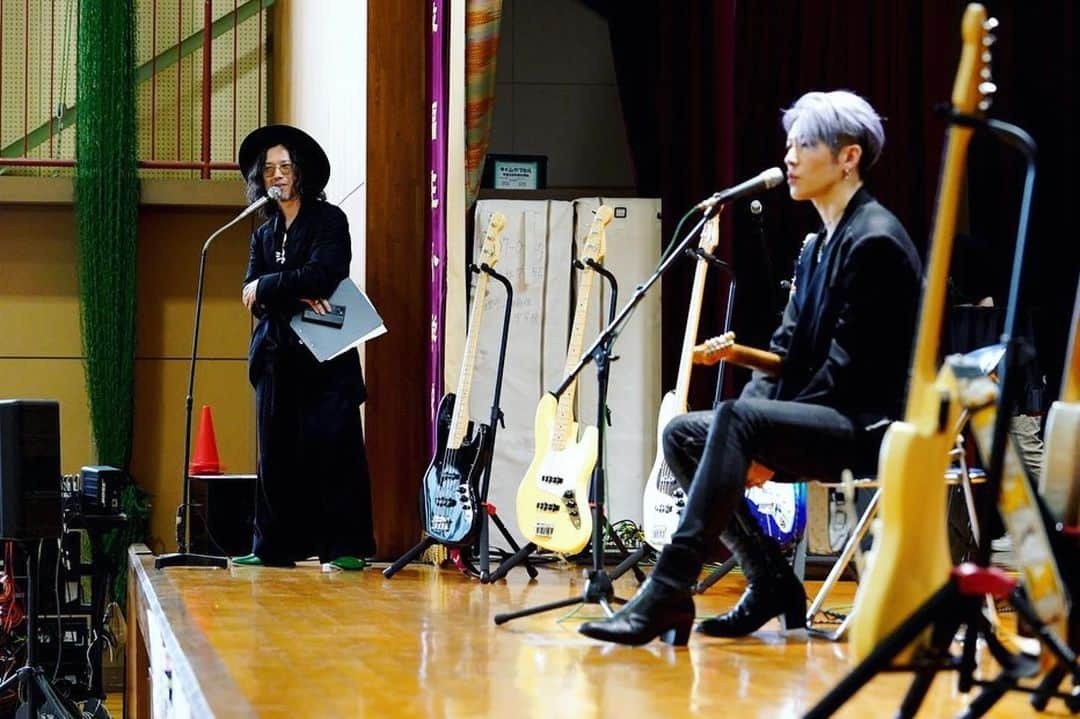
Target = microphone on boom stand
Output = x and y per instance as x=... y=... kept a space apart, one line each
x=183 y=557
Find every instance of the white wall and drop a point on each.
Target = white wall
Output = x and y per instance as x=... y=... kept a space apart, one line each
x=320 y=85
x=556 y=94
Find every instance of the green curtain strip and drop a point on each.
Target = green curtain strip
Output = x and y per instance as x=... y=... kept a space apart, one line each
x=106 y=218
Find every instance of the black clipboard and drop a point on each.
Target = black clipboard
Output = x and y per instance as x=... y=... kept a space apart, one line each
x=352 y=321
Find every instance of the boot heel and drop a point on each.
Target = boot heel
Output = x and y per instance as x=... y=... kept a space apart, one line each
x=793 y=620
x=679 y=634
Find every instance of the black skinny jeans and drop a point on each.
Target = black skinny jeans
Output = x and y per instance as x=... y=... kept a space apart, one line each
x=710 y=452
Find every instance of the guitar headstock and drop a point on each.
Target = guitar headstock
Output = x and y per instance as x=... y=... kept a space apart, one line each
x=492 y=248
x=973 y=89
x=709 y=240
x=595 y=241
x=714 y=349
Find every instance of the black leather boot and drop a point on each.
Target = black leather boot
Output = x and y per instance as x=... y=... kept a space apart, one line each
x=773 y=589
x=663 y=607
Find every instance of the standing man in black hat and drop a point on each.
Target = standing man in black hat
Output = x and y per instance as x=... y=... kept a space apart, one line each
x=314 y=493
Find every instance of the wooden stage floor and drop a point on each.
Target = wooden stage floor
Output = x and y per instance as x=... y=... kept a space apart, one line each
x=302 y=643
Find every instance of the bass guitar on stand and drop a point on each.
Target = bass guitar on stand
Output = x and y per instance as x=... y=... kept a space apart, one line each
x=553 y=497
x=664 y=498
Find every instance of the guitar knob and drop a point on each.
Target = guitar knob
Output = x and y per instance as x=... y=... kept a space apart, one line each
x=680 y=503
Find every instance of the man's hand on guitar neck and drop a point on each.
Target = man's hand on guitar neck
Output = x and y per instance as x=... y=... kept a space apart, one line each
x=724 y=348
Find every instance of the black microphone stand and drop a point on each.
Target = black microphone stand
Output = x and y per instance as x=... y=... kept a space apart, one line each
x=183 y=557
x=598 y=587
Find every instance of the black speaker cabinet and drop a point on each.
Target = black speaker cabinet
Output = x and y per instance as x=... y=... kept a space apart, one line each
x=223 y=515
x=29 y=469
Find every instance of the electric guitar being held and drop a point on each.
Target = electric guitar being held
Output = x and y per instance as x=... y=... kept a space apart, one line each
x=911 y=559
x=553 y=497
x=450 y=492
x=724 y=348
x=664 y=499
x=779 y=507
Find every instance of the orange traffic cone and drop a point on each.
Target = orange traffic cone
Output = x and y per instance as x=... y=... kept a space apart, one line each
x=205 y=459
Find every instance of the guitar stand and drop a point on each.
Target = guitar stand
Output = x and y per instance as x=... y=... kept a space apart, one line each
x=490 y=512
x=39 y=697
x=598 y=587
x=959 y=603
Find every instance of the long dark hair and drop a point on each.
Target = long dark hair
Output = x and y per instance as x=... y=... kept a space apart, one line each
x=256 y=185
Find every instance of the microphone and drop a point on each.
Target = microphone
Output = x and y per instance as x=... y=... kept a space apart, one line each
x=274 y=193
x=766 y=180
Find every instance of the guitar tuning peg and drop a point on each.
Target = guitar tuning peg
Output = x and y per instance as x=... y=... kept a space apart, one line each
x=991 y=24
x=985 y=73
x=984 y=105
x=989 y=40
x=987 y=57
x=987 y=88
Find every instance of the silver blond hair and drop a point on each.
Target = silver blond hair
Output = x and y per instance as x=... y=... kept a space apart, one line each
x=837 y=118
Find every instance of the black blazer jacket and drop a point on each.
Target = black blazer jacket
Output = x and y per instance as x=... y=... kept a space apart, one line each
x=848 y=328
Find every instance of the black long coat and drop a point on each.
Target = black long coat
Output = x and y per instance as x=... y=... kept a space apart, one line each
x=314 y=489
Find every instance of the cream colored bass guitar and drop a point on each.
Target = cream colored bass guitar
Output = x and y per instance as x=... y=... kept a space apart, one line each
x=911 y=559
x=553 y=497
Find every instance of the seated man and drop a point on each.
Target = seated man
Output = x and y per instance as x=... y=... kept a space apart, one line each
x=819 y=404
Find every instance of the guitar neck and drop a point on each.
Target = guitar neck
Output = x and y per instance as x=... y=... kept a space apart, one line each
x=460 y=421
x=564 y=415
x=761 y=360
x=921 y=400
x=693 y=319
x=1070 y=382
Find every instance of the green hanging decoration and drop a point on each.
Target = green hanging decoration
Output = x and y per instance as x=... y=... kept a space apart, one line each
x=106 y=211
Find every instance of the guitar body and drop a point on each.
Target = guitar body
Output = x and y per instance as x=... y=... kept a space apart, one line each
x=780 y=510
x=664 y=499
x=449 y=496
x=553 y=498
x=911 y=560
x=1060 y=478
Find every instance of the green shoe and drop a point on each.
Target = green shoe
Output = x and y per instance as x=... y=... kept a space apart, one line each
x=348 y=564
x=248 y=560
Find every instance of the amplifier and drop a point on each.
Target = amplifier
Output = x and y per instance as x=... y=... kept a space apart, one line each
x=101 y=487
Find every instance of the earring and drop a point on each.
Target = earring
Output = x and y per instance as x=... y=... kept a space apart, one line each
x=847 y=171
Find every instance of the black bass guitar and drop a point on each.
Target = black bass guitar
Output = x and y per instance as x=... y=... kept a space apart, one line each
x=449 y=500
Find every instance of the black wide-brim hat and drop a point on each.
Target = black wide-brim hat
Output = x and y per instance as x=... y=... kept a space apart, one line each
x=316 y=165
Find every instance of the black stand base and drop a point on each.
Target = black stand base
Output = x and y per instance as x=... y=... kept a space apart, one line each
x=959 y=603
x=186 y=559
x=40 y=698
x=598 y=590
x=482 y=574
x=715 y=576
x=629 y=561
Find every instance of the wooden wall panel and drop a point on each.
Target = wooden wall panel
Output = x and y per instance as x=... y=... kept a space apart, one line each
x=398 y=265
